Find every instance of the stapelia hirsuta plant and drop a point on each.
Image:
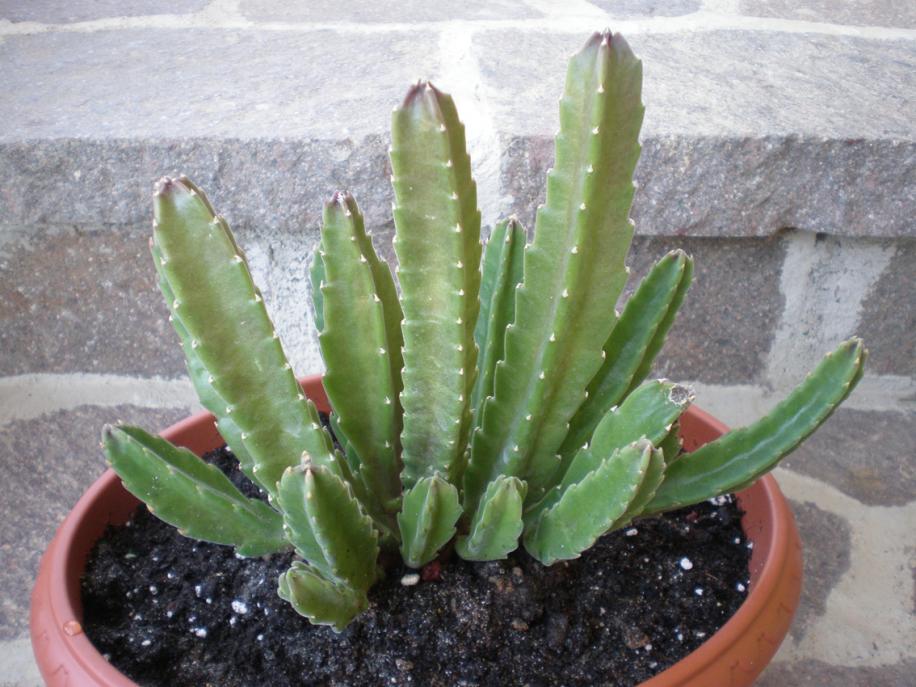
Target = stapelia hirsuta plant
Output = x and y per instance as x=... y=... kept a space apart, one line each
x=494 y=399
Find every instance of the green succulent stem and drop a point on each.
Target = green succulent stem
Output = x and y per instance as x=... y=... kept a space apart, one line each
x=573 y=274
x=741 y=456
x=437 y=241
x=184 y=491
x=223 y=313
x=363 y=381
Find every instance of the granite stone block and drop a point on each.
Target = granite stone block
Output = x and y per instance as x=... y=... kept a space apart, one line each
x=367 y=11
x=867 y=455
x=892 y=13
x=804 y=135
x=83 y=301
x=887 y=318
x=827 y=539
x=637 y=9
x=177 y=84
x=68 y=11
x=814 y=673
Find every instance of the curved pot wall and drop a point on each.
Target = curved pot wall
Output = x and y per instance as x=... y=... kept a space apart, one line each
x=732 y=657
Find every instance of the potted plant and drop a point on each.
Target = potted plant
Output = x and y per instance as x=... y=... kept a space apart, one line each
x=497 y=402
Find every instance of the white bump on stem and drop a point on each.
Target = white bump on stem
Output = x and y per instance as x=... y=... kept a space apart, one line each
x=237 y=258
x=595 y=131
x=565 y=293
x=582 y=207
x=574 y=250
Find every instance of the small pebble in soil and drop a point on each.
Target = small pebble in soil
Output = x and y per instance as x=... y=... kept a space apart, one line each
x=616 y=616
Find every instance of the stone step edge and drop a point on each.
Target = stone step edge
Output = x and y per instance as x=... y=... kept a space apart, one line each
x=688 y=185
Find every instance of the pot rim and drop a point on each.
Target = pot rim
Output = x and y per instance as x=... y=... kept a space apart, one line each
x=65 y=553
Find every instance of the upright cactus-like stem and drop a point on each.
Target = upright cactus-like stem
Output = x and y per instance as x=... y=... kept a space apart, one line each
x=234 y=339
x=632 y=346
x=501 y=272
x=356 y=345
x=574 y=272
x=427 y=519
x=438 y=247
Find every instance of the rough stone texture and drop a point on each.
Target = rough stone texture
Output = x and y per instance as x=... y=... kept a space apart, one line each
x=888 y=316
x=83 y=301
x=67 y=11
x=827 y=540
x=861 y=13
x=758 y=157
x=811 y=673
x=405 y=11
x=723 y=331
x=47 y=464
x=732 y=146
x=866 y=455
x=626 y=9
x=702 y=83
x=274 y=186
x=743 y=185
x=185 y=83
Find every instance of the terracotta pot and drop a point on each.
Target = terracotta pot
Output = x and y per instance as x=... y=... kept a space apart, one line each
x=732 y=657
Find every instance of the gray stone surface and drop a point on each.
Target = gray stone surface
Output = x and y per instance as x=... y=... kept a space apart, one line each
x=632 y=9
x=745 y=185
x=868 y=455
x=812 y=673
x=272 y=185
x=705 y=83
x=723 y=331
x=83 y=301
x=733 y=146
x=404 y=11
x=67 y=11
x=826 y=538
x=813 y=134
x=888 y=316
x=896 y=13
x=47 y=464
x=185 y=83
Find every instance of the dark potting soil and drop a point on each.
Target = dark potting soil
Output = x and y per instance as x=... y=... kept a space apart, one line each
x=166 y=610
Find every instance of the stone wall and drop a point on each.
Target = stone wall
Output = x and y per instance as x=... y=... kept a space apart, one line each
x=779 y=149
